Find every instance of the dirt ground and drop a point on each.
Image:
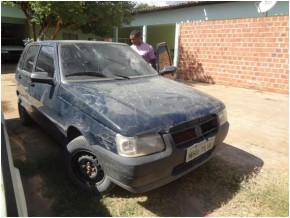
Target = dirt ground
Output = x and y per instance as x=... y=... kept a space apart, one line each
x=258 y=135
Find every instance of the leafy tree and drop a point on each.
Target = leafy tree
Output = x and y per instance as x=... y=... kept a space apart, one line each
x=105 y=15
x=144 y=6
x=96 y=17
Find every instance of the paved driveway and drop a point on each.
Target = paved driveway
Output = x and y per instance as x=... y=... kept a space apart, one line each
x=258 y=126
x=259 y=122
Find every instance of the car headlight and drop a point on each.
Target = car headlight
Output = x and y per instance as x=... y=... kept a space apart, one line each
x=139 y=145
x=223 y=117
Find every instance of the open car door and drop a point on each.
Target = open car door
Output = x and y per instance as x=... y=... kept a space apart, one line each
x=163 y=60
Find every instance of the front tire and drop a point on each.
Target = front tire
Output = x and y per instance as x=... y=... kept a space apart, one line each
x=84 y=169
x=23 y=115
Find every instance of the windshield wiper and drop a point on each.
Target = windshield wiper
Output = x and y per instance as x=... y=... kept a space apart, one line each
x=120 y=75
x=87 y=73
x=96 y=74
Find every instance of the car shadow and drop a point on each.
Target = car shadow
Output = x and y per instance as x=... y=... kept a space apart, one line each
x=48 y=190
x=205 y=189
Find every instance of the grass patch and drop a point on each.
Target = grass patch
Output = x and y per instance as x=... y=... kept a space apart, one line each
x=199 y=193
x=265 y=195
x=215 y=188
x=272 y=193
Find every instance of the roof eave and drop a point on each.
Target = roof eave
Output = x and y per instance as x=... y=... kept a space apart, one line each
x=179 y=6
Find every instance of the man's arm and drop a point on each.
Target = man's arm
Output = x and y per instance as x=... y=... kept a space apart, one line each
x=152 y=57
x=153 y=63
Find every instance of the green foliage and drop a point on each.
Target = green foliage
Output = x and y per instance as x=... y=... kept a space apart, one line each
x=27 y=41
x=96 y=17
x=105 y=15
x=143 y=6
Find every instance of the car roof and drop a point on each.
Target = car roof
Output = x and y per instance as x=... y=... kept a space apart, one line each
x=53 y=42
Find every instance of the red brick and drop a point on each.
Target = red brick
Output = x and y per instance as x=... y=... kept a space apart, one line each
x=241 y=52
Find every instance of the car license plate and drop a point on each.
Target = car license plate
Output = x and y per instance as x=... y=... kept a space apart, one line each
x=199 y=148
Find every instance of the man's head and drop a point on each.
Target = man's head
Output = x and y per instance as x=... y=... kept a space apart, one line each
x=136 y=37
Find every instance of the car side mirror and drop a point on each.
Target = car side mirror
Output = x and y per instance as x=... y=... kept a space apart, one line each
x=42 y=77
x=168 y=70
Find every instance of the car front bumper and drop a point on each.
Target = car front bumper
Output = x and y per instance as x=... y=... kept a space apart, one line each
x=142 y=174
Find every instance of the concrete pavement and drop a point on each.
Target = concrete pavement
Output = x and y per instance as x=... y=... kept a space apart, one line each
x=259 y=122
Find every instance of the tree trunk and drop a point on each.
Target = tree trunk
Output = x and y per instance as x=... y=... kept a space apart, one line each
x=42 y=31
x=28 y=11
x=33 y=32
x=57 y=29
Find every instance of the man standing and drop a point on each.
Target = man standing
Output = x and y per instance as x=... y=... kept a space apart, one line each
x=144 y=49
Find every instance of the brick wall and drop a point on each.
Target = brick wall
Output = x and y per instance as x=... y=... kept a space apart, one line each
x=250 y=53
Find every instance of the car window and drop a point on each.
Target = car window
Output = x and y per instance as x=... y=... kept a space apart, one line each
x=29 y=58
x=45 y=61
x=102 y=61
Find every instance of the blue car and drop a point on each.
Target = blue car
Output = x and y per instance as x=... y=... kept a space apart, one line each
x=121 y=122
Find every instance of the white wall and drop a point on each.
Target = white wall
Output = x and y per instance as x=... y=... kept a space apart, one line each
x=229 y=10
x=13 y=12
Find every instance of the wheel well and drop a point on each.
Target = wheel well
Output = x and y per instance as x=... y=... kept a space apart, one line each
x=72 y=133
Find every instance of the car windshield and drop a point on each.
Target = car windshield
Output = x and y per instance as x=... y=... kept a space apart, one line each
x=86 y=61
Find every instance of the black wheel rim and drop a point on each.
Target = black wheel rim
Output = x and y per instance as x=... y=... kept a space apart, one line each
x=87 y=169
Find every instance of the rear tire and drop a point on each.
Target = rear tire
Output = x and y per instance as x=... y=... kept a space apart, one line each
x=23 y=115
x=84 y=169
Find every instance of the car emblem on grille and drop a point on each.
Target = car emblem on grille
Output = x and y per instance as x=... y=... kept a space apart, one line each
x=198 y=131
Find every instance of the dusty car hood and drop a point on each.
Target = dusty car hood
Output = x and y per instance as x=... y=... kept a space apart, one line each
x=140 y=106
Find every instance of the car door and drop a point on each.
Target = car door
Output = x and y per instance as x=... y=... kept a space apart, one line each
x=23 y=74
x=163 y=57
x=44 y=95
x=164 y=61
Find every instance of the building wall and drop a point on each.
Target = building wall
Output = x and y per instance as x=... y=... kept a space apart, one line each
x=8 y=11
x=124 y=34
x=228 y=10
x=250 y=52
x=155 y=34
x=161 y=33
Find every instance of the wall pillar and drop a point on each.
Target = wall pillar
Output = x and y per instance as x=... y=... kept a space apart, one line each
x=176 y=44
x=144 y=33
x=116 y=34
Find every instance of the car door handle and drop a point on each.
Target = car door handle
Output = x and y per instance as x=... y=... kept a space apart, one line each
x=32 y=84
x=19 y=76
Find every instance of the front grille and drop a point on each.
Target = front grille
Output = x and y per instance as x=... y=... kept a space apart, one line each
x=186 y=134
